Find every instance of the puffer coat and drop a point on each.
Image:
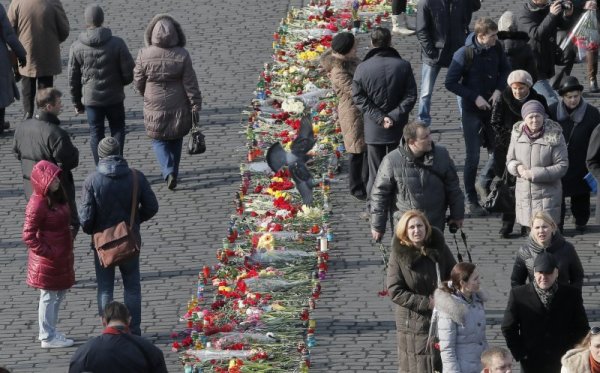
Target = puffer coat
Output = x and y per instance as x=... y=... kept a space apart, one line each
x=164 y=75
x=349 y=117
x=576 y=360
x=570 y=270
x=429 y=184
x=384 y=86
x=547 y=158
x=8 y=88
x=461 y=331
x=505 y=113
x=577 y=129
x=47 y=235
x=100 y=65
x=40 y=25
x=411 y=280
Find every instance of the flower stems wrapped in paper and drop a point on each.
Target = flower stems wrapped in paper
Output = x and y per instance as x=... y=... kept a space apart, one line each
x=584 y=35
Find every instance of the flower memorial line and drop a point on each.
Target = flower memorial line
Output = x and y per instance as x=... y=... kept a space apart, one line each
x=251 y=312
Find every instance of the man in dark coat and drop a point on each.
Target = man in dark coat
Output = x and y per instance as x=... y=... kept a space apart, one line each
x=578 y=120
x=417 y=175
x=442 y=26
x=478 y=74
x=541 y=21
x=116 y=350
x=384 y=90
x=106 y=201
x=41 y=138
x=100 y=65
x=543 y=319
x=593 y=164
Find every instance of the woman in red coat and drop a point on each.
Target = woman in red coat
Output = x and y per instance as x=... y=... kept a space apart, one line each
x=48 y=237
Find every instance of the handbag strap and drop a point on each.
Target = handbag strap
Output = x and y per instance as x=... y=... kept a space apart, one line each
x=134 y=197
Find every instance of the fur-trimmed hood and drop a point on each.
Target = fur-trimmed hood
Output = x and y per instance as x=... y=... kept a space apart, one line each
x=454 y=306
x=408 y=255
x=330 y=60
x=576 y=360
x=168 y=32
x=552 y=131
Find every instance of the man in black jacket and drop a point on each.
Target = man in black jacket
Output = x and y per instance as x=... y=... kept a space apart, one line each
x=543 y=319
x=41 y=138
x=106 y=201
x=541 y=20
x=384 y=90
x=442 y=26
x=100 y=65
x=116 y=350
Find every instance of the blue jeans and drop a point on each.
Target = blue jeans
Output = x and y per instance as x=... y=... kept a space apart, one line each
x=544 y=88
x=115 y=114
x=48 y=312
x=428 y=76
x=168 y=154
x=132 y=290
x=471 y=123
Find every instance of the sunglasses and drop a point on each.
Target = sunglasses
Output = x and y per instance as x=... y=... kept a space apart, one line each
x=595 y=330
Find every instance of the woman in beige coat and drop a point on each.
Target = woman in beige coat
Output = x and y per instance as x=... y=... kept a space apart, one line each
x=537 y=156
x=340 y=63
x=164 y=75
x=585 y=357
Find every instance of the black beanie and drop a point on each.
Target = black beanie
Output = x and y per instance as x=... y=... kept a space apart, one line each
x=342 y=43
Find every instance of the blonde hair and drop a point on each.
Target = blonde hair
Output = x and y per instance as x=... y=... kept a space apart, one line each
x=401 y=227
x=542 y=215
x=488 y=355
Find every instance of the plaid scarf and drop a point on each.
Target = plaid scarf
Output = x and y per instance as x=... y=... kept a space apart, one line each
x=546 y=295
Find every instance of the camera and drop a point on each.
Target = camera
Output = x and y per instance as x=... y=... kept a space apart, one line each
x=565 y=4
x=452 y=226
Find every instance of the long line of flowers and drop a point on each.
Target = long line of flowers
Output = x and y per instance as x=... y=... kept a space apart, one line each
x=252 y=312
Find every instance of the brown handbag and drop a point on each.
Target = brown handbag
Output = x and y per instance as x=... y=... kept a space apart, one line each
x=117 y=244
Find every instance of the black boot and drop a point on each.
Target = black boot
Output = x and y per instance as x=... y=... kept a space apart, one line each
x=506 y=230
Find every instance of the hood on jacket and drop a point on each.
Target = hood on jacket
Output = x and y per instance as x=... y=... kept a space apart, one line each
x=383 y=52
x=113 y=166
x=165 y=32
x=42 y=175
x=454 y=306
x=329 y=61
x=408 y=255
x=427 y=159
x=552 y=131
x=95 y=37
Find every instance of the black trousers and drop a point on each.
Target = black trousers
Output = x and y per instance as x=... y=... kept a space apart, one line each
x=375 y=154
x=28 y=90
x=580 y=208
x=2 y=116
x=398 y=7
x=358 y=174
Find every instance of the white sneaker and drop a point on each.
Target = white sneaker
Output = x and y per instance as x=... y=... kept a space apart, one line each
x=57 y=343
x=405 y=31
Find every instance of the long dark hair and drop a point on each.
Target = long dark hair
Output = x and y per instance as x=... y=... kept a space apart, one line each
x=460 y=272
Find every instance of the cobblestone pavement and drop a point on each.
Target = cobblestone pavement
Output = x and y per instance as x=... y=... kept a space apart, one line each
x=229 y=43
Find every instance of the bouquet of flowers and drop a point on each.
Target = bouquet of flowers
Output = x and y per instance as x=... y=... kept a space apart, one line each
x=584 y=35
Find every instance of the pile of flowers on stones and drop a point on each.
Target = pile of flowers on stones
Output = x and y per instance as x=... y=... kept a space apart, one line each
x=251 y=312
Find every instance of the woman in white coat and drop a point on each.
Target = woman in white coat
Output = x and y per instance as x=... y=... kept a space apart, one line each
x=537 y=156
x=461 y=320
x=584 y=358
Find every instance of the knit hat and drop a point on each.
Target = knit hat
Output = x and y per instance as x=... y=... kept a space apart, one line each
x=94 y=16
x=342 y=43
x=544 y=262
x=507 y=22
x=532 y=106
x=520 y=76
x=108 y=146
x=569 y=84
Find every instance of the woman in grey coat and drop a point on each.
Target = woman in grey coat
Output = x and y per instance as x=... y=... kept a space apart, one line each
x=418 y=253
x=461 y=320
x=8 y=87
x=537 y=156
x=164 y=75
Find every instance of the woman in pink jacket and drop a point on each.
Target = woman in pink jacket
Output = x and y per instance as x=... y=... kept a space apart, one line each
x=48 y=237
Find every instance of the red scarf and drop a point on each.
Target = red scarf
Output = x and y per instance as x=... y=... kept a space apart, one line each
x=115 y=330
x=594 y=365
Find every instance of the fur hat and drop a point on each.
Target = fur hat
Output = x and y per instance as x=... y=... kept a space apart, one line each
x=108 y=146
x=507 y=22
x=520 y=76
x=532 y=106
x=94 y=15
x=342 y=43
x=569 y=84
